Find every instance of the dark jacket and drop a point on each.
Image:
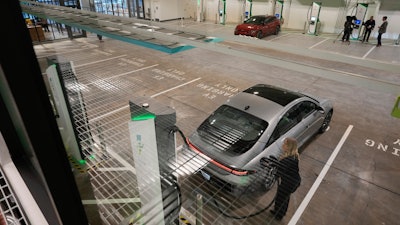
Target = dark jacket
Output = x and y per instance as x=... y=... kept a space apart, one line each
x=382 y=28
x=369 y=24
x=348 y=26
x=288 y=171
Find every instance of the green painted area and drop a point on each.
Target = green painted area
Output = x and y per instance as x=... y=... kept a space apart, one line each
x=396 y=108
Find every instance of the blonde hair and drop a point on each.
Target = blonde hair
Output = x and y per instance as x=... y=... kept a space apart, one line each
x=291 y=144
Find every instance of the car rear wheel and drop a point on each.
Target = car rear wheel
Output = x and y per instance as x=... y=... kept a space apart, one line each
x=270 y=178
x=327 y=121
x=259 y=34
x=269 y=169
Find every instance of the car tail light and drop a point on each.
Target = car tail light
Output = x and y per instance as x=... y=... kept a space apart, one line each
x=236 y=172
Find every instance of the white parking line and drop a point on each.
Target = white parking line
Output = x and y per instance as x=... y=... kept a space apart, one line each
x=366 y=54
x=319 y=179
x=133 y=71
x=319 y=43
x=155 y=95
x=103 y=60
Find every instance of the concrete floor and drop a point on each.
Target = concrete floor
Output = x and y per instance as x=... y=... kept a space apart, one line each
x=350 y=174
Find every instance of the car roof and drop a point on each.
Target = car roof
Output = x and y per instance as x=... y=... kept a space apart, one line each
x=263 y=101
x=276 y=94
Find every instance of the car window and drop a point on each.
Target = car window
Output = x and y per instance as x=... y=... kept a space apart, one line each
x=255 y=20
x=291 y=118
x=231 y=130
x=269 y=19
x=306 y=108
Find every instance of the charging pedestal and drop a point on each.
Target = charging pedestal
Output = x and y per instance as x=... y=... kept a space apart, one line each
x=69 y=108
x=222 y=11
x=153 y=149
x=360 y=16
x=313 y=19
x=247 y=8
x=199 y=10
x=279 y=10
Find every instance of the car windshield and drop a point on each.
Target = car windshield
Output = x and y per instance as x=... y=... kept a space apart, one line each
x=231 y=130
x=255 y=20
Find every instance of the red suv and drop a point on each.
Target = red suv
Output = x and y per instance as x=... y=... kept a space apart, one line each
x=259 y=26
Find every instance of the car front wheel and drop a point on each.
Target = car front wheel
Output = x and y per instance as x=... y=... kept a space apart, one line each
x=259 y=34
x=327 y=120
x=277 y=30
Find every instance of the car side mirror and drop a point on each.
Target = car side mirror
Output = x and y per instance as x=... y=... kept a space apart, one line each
x=321 y=110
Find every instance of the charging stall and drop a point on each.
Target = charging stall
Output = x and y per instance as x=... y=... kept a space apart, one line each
x=279 y=10
x=222 y=11
x=247 y=8
x=154 y=149
x=313 y=22
x=360 y=16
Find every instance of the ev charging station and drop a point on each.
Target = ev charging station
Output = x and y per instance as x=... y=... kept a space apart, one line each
x=69 y=108
x=247 y=9
x=222 y=11
x=279 y=9
x=360 y=16
x=313 y=18
x=154 y=148
x=200 y=9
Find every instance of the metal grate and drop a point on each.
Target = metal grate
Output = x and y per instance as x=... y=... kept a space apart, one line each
x=9 y=204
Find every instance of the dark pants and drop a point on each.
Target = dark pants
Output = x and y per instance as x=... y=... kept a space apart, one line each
x=282 y=200
x=379 y=39
x=366 y=34
x=346 y=35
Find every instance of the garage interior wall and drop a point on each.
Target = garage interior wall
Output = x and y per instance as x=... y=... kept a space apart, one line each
x=295 y=13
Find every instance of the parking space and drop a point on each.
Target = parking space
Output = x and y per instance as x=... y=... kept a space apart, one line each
x=361 y=183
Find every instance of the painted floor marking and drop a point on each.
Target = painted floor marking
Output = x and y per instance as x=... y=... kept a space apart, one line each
x=155 y=95
x=366 y=54
x=125 y=107
x=319 y=179
x=133 y=71
x=319 y=43
x=121 y=160
x=99 y=61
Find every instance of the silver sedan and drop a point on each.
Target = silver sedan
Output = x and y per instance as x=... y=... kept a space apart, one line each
x=241 y=135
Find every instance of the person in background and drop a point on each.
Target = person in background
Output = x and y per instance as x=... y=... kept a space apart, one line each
x=100 y=37
x=382 y=30
x=348 y=28
x=369 y=26
x=43 y=22
x=288 y=173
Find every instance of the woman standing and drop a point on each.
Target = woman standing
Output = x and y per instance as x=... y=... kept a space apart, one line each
x=288 y=172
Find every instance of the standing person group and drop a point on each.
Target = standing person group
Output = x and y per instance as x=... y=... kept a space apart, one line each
x=288 y=173
x=369 y=26
x=382 y=30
